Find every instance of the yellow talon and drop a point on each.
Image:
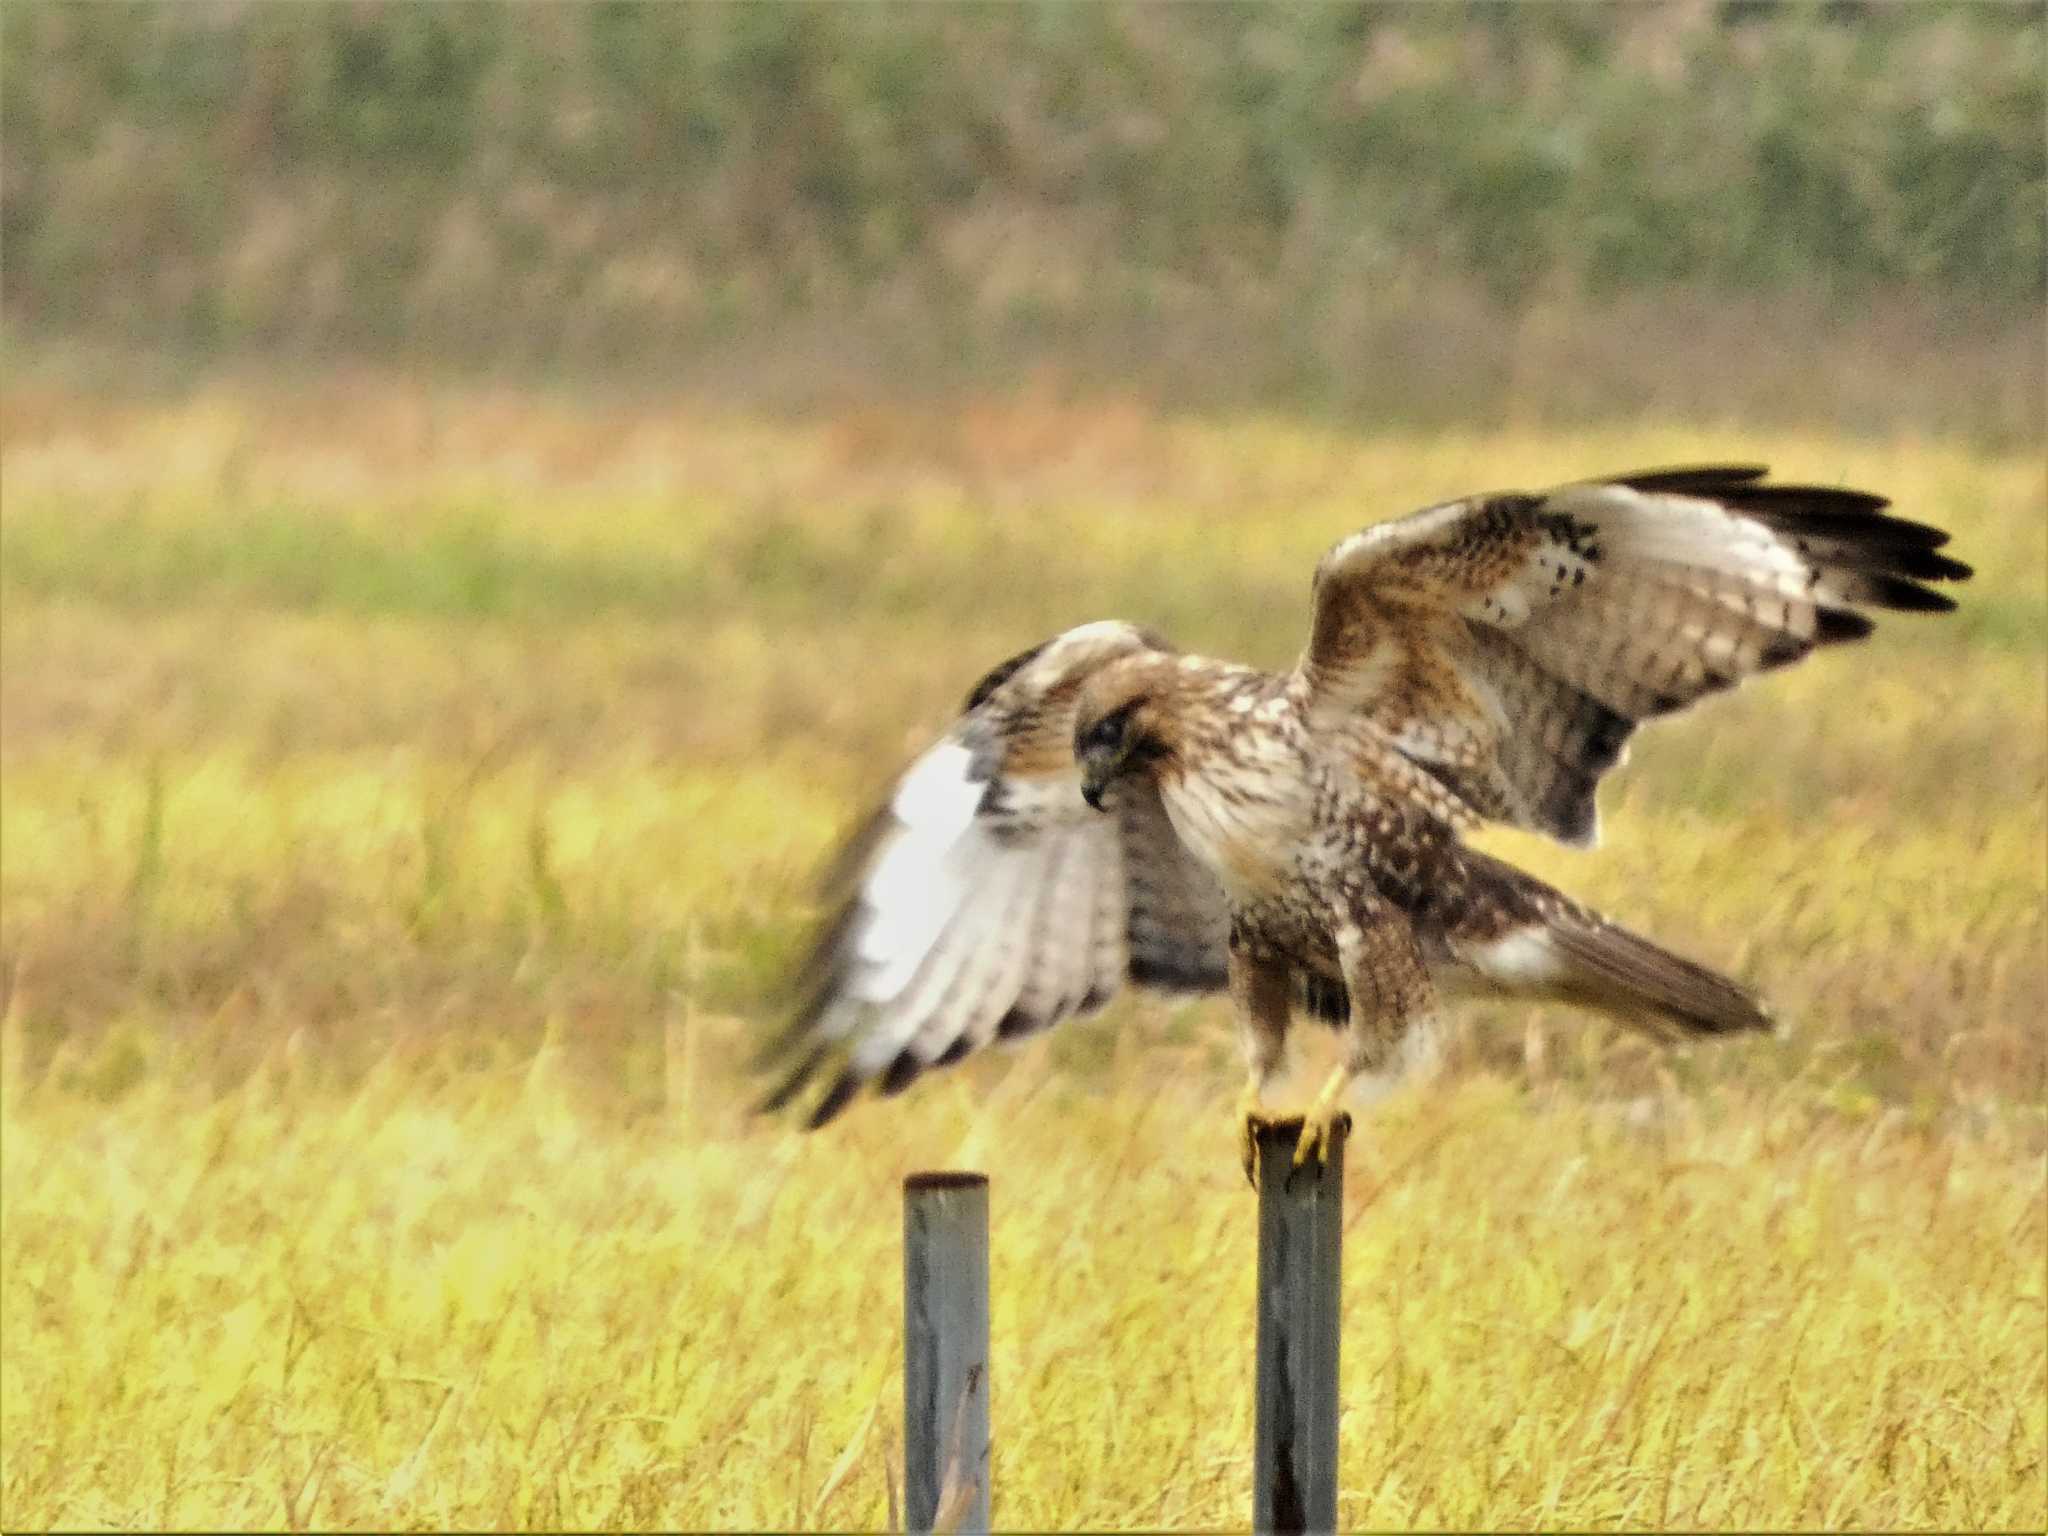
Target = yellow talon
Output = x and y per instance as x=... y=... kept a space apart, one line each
x=1319 y=1125
x=1318 y=1129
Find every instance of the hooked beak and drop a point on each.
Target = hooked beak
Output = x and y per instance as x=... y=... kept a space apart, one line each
x=1096 y=774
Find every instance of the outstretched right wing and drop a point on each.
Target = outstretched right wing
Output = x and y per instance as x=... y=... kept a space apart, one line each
x=1510 y=644
x=984 y=899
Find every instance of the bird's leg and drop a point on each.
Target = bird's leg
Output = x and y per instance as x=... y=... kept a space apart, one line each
x=1392 y=1008
x=1261 y=992
x=1319 y=1124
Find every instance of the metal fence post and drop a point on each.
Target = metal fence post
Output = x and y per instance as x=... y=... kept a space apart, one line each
x=1301 y=1240
x=945 y=1352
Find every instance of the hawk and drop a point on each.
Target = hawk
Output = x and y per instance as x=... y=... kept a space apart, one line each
x=1108 y=810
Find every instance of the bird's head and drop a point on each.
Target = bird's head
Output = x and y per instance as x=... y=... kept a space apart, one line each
x=1121 y=723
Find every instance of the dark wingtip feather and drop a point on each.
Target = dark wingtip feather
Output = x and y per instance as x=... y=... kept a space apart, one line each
x=1692 y=478
x=793 y=1084
x=1781 y=650
x=1897 y=593
x=1838 y=505
x=1854 y=517
x=1832 y=626
x=837 y=1097
x=1926 y=565
x=1017 y=1023
x=902 y=1072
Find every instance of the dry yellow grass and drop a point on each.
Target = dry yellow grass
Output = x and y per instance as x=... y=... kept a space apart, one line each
x=407 y=798
x=458 y=1299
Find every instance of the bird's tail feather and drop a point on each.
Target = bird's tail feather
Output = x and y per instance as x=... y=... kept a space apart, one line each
x=1610 y=968
x=1566 y=952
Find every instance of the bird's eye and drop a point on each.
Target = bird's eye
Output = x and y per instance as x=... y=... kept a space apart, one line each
x=1108 y=732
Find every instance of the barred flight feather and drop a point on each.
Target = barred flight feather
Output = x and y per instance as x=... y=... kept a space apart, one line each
x=1605 y=603
x=1484 y=659
x=985 y=900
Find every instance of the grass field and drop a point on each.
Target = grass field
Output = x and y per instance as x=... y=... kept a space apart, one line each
x=409 y=798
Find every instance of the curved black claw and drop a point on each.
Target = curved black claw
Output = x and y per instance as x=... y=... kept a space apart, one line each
x=1252 y=1124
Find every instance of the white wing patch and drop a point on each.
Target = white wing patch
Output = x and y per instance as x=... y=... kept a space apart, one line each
x=988 y=899
x=922 y=874
x=938 y=795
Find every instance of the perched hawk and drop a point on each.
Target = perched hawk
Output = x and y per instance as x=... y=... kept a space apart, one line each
x=1108 y=809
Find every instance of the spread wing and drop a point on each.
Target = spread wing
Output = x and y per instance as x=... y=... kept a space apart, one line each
x=1509 y=644
x=984 y=899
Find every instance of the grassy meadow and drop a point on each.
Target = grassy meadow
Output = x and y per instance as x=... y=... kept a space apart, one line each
x=409 y=800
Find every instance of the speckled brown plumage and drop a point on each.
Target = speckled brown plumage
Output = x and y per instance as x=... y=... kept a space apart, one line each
x=1109 y=810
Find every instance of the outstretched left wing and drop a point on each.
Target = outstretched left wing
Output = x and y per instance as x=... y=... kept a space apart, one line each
x=1510 y=644
x=984 y=899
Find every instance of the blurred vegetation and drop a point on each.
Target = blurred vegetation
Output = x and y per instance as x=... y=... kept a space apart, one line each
x=1201 y=197
x=409 y=787
x=347 y=705
x=407 y=802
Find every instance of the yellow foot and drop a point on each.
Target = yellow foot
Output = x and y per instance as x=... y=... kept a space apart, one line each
x=1318 y=1130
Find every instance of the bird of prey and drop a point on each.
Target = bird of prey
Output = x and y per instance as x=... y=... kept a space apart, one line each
x=1110 y=810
